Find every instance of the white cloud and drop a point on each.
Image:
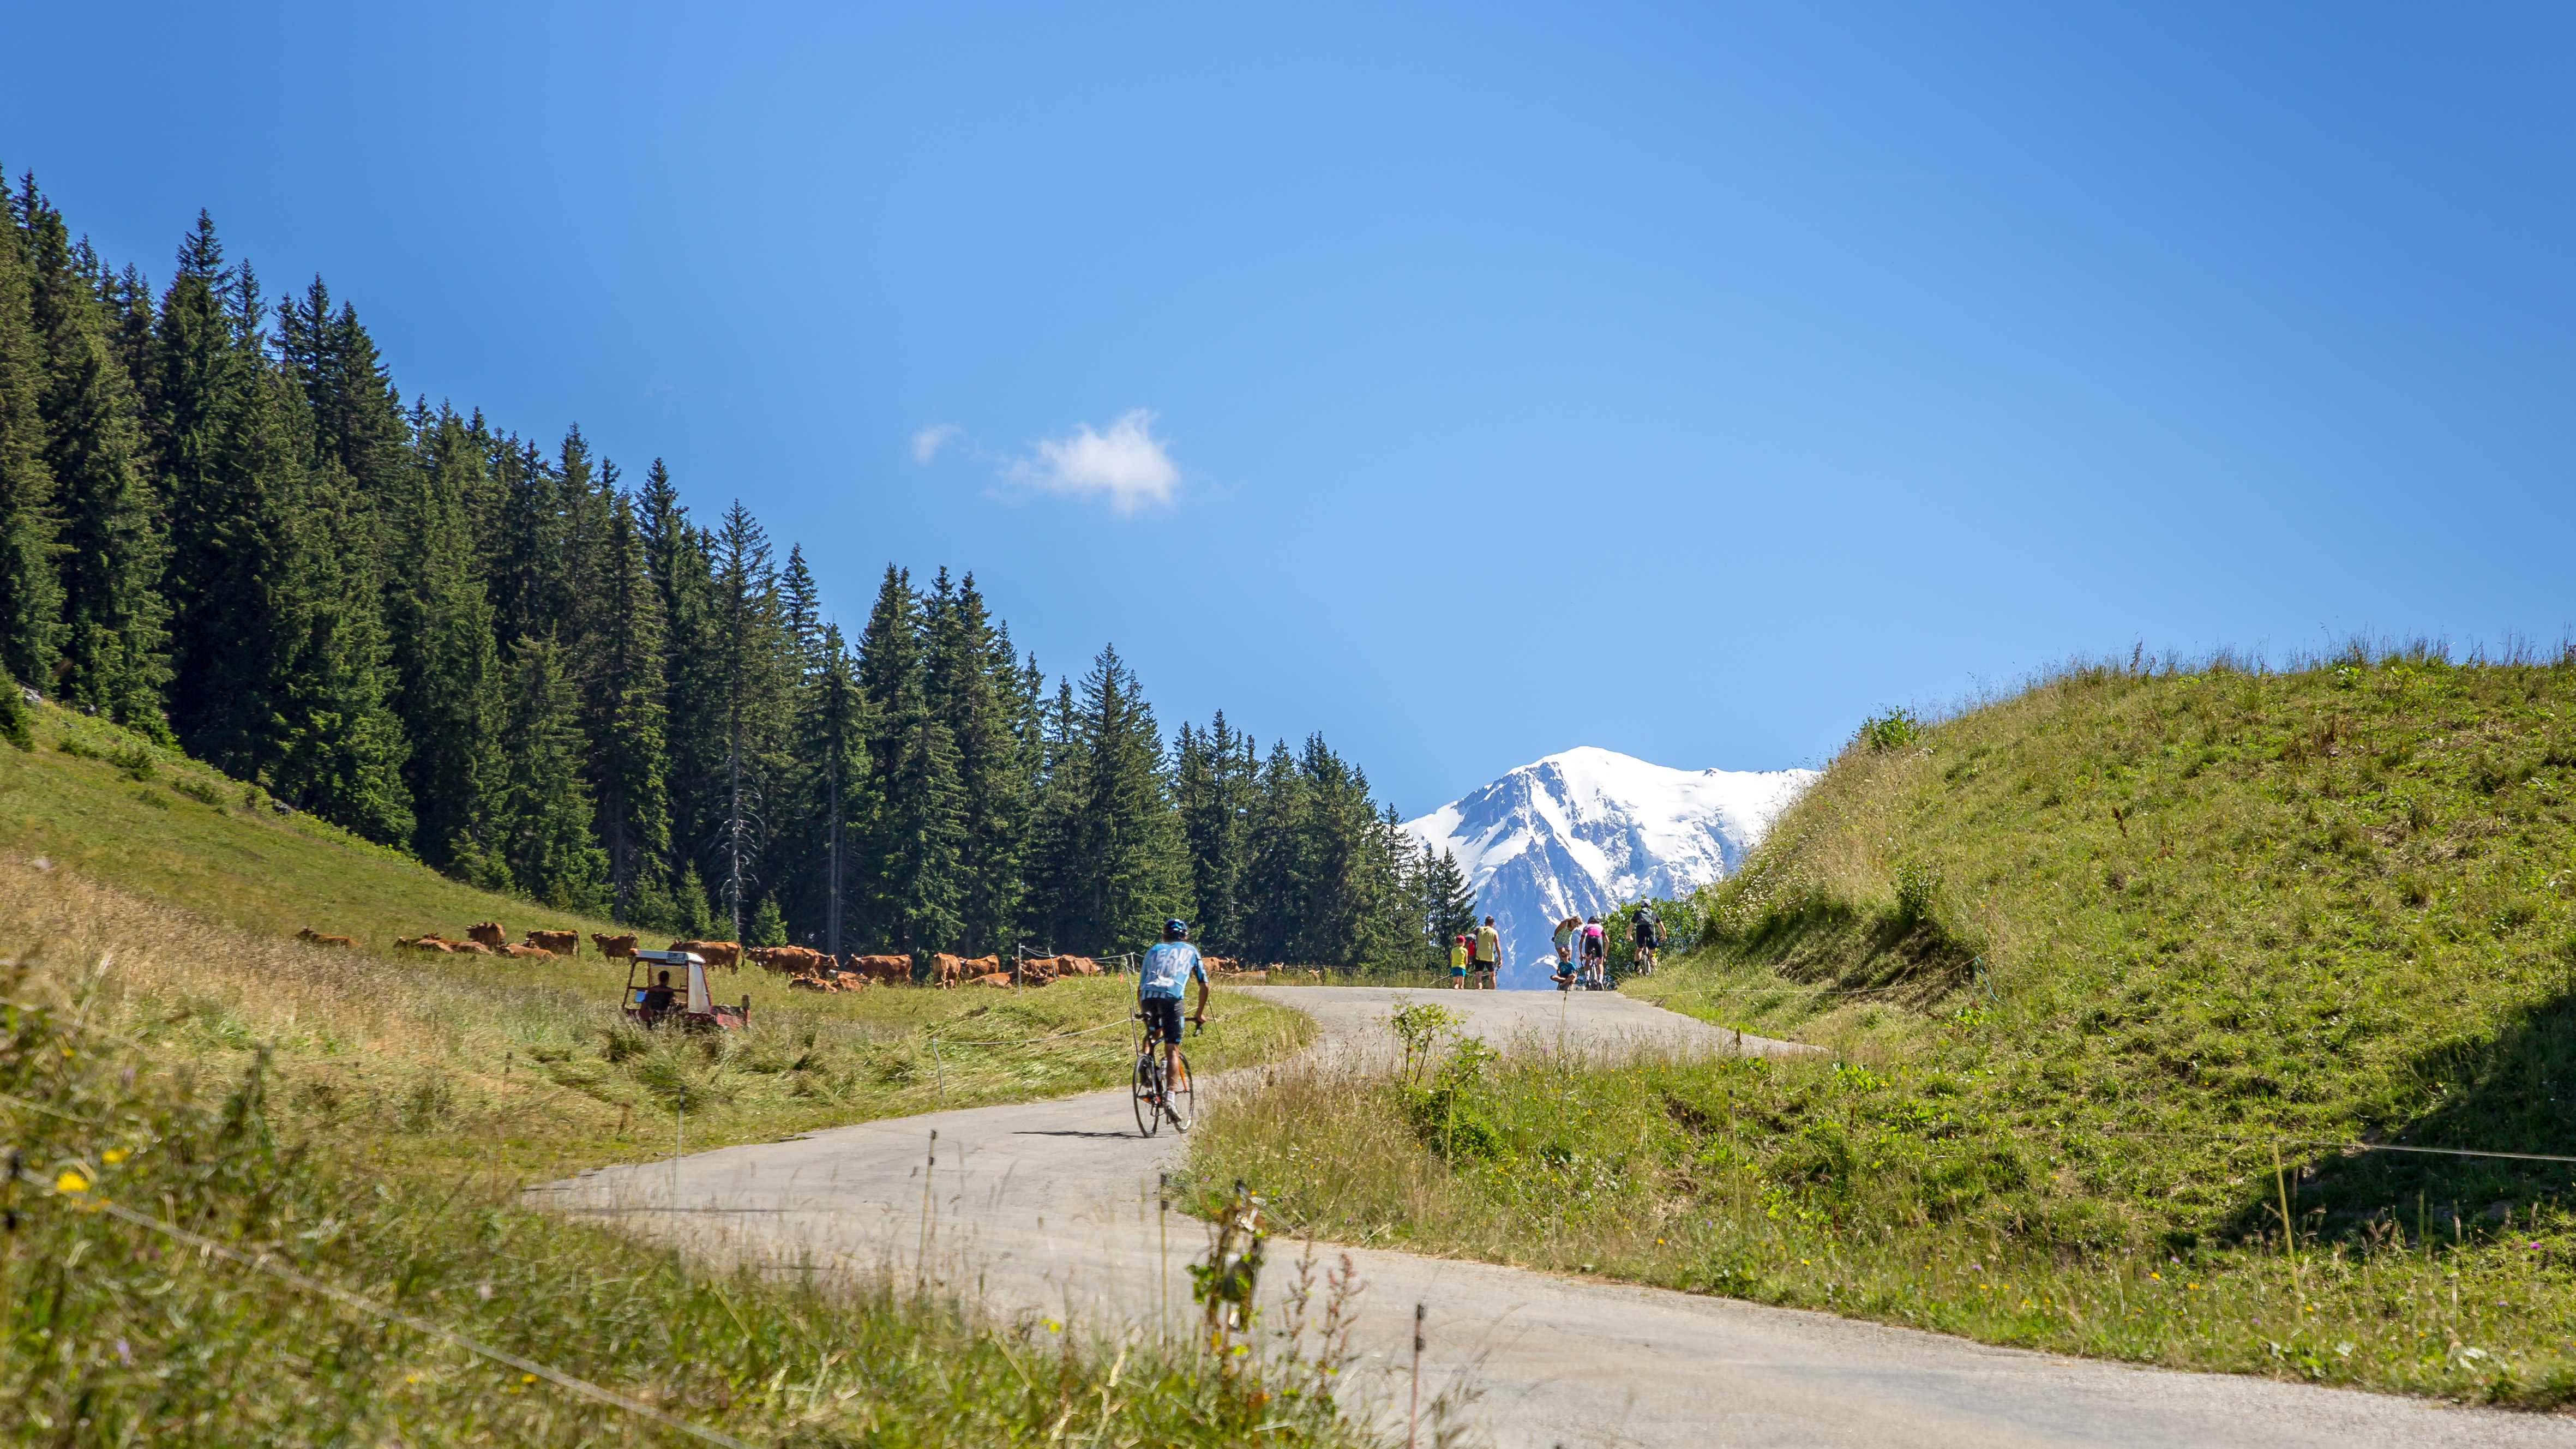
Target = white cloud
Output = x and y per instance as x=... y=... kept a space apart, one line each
x=1128 y=465
x=925 y=444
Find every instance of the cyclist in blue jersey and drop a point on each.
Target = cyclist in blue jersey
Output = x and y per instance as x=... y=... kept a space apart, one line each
x=1160 y=979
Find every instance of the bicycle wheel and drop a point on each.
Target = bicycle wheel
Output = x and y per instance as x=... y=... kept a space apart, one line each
x=1180 y=1100
x=1144 y=1089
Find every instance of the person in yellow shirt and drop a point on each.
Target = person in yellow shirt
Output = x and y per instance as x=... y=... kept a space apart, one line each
x=1489 y=954
x=1458 y=964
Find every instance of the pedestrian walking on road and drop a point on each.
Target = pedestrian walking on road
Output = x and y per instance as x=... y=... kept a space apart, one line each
x=1489 y=954
x=1458 y=964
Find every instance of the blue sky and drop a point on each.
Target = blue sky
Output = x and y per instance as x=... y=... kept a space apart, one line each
x=1429 y=377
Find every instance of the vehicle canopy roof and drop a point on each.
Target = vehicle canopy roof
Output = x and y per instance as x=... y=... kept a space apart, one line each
x=671 y=958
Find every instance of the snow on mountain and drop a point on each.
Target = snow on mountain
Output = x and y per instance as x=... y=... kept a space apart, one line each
x=1581 y=831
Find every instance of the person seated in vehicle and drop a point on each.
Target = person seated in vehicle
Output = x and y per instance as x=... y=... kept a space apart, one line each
x=657 y=999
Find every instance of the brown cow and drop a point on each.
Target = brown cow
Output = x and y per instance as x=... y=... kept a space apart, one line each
x=888 y=969
x=469 y=948
x=947 y=970
x=1037 y=970
x=615 y=948
x=518 y=952
x=488 y=932
x=788 y=958
x=982 y=965
x=317 y=938
x=714 y=953
x=1076 y=966
x=558 y=943
x=994 y=978
x=422 y=943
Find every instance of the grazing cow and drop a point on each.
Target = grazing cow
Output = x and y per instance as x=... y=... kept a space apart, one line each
x=982 y=965
x=888 y=969
x=947 y=970
x=559 y=943
x=615 y=948
x=714 y=953
x=317 y=938
x=788 y=958
x=489 y=933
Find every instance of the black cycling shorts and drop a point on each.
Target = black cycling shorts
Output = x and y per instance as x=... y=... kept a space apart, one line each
x=1162 y=1018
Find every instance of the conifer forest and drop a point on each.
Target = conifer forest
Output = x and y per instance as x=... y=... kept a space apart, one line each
x=222 y=527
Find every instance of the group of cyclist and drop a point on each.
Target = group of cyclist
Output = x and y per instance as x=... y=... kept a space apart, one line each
x=1582 y=960
x=1583 y=949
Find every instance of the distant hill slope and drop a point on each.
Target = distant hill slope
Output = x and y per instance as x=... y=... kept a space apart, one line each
x=122 y=811
x=2145 y=928
x=1580 y=831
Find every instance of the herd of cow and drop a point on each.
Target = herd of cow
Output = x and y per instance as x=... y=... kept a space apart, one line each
x=805 y=969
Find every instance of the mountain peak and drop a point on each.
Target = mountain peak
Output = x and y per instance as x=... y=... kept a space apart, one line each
x=1581 y=830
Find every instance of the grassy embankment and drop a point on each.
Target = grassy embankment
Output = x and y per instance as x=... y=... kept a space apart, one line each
x=2088 y=958
x=370 y=1118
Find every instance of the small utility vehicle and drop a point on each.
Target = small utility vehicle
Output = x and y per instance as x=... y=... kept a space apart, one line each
x=685 y=1003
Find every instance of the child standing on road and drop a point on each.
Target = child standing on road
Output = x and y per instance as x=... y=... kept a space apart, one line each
x=1458 y=964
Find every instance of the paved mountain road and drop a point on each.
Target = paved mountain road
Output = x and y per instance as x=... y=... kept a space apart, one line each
x=1049 y=1208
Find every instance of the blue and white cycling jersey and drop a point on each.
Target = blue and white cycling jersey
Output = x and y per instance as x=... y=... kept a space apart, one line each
x=1168 y=968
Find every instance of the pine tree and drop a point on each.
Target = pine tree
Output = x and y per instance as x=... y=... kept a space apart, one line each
x=837 y=799
x=332 y=743
x=913 y=895
x=768 y=927
x=1451 y=900
x=447 y=669
x=1127 y=870
x=112 y=551
x=543 y=813
x=623 y=686
x=746 y=647
x=1274 y=900
x=1212 y=786
x=692 y=916
x=971 y=682
x=232 y=469
x=30 y=596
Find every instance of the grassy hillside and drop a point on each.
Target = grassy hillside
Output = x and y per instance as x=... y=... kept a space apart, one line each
x=2089 y=957
x=369 y=1118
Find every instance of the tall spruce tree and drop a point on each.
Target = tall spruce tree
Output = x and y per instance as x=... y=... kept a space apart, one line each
x=624 y=717
x=113 y=634
x=837 y=799
x=1127 y=871
x=542 y=812
x=30 y=596
x=447 y=668
x=913 y=893
x=1213 y=775
x=972 y=686
x=747 y=648
x=333 y=742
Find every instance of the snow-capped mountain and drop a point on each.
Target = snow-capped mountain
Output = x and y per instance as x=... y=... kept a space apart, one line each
x=1580 y=831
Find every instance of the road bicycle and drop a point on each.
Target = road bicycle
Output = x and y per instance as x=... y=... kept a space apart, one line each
x=1153 y=1100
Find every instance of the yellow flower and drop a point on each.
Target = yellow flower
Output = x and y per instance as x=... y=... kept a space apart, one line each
x=113 y=1156
x=71 y=1181
x=527 y=1378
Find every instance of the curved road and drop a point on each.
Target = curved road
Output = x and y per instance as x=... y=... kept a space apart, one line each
x=1048 y=1208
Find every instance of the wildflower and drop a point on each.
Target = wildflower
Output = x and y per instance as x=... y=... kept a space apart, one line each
x=527 y=1378
x=115 y=1155
x=71 y=1181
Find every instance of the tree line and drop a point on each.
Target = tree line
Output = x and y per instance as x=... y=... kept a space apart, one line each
x=221 y=527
